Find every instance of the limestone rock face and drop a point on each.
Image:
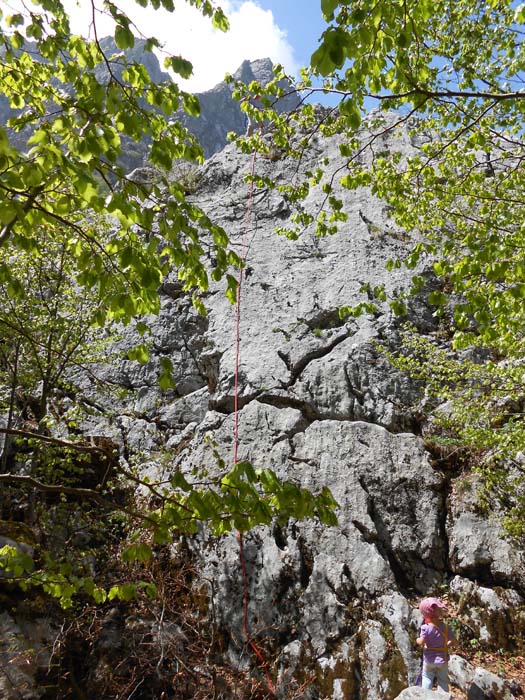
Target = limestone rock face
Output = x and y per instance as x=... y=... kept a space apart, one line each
x=318 y=403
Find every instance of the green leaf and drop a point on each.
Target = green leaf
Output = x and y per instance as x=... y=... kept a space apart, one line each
x=179 y=65
x=328 y=8
x=14 y=20
x=99 y=595
x=398 y=307
x=403 y=39
x=166 y=380
x=124 y=592
x=321 y=61
x=519 y=14
x=437 y=298
x=150 y=589
x=139 y=353
x=4 y=142
x=220 y=21
x=178 y=481
x=137 y=552
x=352 y=112
x=124 y=38
x=191 y=105
x=269 y=481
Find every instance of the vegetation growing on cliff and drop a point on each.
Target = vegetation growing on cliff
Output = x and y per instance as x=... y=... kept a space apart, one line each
x=452 y=74
x=83 y=246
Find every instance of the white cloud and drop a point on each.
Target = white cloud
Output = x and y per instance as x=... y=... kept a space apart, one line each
x=253 y=34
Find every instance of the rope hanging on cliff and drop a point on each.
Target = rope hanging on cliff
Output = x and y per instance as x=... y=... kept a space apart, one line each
x=249 y=639
x=238 y=314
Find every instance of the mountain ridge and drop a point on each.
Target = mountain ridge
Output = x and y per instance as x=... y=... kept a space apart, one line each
x=219 y=115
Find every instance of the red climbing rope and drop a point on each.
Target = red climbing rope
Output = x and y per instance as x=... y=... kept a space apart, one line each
x=253 y=645
x=238 y=314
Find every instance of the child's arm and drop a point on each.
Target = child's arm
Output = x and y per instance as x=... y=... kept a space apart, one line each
x=420 y=641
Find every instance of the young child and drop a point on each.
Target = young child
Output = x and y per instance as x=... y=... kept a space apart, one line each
x=435 y=637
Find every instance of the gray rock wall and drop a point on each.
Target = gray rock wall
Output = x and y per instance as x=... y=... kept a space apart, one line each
x=318 y=404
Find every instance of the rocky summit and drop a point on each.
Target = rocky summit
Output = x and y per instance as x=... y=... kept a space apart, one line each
x=319 y=403
x=220 y=114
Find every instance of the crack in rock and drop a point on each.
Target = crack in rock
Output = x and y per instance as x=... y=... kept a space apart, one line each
x=381 y=539
x=299 y=367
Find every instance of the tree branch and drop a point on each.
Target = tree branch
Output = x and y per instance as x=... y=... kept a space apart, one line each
x=89 y=494
x=80 y=447
x=25 y=480
x=7 y=229
x=429 y=94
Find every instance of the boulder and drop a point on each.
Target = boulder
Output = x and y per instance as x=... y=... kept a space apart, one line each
x=488 y=686
x=417 y=693
x=495 y=615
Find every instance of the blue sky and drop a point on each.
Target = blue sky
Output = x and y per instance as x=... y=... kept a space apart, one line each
x=303 y=22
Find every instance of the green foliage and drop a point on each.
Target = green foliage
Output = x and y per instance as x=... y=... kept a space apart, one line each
x=452 y=75
x=454 y=70
x=238 y=498
x=481 y=396
x=475 y=403
x=48 y=326
x=60 y=155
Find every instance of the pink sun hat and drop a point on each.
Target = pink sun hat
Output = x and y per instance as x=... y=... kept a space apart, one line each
x=427 y=604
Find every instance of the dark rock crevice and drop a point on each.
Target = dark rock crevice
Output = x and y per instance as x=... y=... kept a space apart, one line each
x=358 y=395
x=306 y=562
x=325 y=319
x=382 y=540
x=296 y=368
x=308 y=411
x=226 y=403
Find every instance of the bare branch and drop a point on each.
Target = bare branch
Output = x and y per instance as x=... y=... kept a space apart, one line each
x=79 y=446
x=87 y=494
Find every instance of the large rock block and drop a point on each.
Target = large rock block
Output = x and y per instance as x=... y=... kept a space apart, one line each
x=479 y=548
x=416 y=693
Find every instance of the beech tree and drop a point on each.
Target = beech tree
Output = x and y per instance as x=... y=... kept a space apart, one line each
x=452 y=73
x=60 y=156
x=77 y=232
